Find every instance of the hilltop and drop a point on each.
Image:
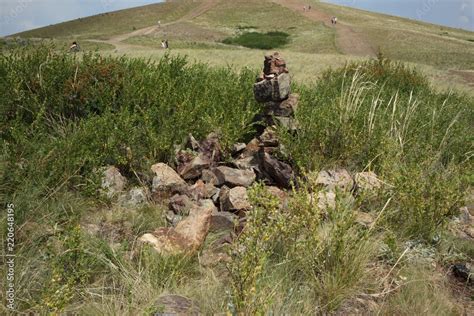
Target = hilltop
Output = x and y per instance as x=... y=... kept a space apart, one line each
x=196 y=27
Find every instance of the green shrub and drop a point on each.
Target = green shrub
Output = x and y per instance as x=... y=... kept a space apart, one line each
x=269 y=40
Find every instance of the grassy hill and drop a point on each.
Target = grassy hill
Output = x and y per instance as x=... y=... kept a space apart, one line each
x=195 y=27
x=398 y=243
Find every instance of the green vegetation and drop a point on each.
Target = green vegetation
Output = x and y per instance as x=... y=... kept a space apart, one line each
x=63 y=117
x=269 y=40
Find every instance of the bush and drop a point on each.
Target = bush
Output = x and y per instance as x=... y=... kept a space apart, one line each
x=269 y=40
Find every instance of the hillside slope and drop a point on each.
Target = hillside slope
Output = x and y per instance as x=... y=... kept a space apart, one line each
x=193 y=28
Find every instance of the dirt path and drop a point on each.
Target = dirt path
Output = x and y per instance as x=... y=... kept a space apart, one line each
x=118 y=40
x=348 y=41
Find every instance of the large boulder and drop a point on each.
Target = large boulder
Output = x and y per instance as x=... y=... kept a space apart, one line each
x=278 y=171
x=234 y=200
x=166 y=179
x=188 y=235
x=235 y=177
x=332 y=179
x=276 y=89
x=113 y=182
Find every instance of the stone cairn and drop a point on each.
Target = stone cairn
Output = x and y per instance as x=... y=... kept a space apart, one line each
x=273 y=90
x=204 y=193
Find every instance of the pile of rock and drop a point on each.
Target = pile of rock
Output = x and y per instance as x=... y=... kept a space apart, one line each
x=203 y=193
x=273 y=90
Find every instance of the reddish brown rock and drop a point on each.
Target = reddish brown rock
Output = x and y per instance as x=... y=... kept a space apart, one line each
x=188 y=235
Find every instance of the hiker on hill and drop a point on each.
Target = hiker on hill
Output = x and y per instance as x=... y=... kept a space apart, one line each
x=309 y=8
x=74 y=48
x=335 y=20
x=304 y=8
x=166 y=44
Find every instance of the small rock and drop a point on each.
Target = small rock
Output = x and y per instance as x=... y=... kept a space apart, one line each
x=274 y=89
x=181 y=204
x=223 y=221
x=192 y=143
x=201 y=190
x=211 y=258
x=136 y=196
x=335 y=179
x=289 y=123
x=235 y=199
x=211 y=148
x=248 y=163
x=281 y=195
x=237 y=148
x=171 y=304
x=280 y=172
x=235 y=177
x=285 y=108
x=188 y=235
x=463 y=272
x=166 y=179
x=367 y=181
x=269 y=138
x=326 y=200
x=173 y=219
x=364 y=219
x=209 y=177
x=193 y=169
x=113 y=182
x=252 y=148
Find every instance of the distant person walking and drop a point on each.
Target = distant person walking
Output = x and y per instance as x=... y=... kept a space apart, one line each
x=309 y=8
x=164 y=44
x=304 y=8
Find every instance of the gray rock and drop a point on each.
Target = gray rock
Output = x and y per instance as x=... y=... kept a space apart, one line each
x=166 y=179
x=289 y=123
x=235 y=199
x=113 y=182
x=171 y=304
x=285 y=108
x=134 y=197
x=276 y=89
x=332 y=179
x=223 y=221
x=367 y=181
x=235 y=177
x=237 y=148
x=269 y=137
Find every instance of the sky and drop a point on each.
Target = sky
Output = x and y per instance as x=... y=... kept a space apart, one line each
x=454 y=13
x=21 y=15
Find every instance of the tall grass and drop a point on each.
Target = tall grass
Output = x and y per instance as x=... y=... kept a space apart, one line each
x=64 y=117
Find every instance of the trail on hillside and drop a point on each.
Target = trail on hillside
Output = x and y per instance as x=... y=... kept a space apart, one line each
x=118 y=40
x=348 y=41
